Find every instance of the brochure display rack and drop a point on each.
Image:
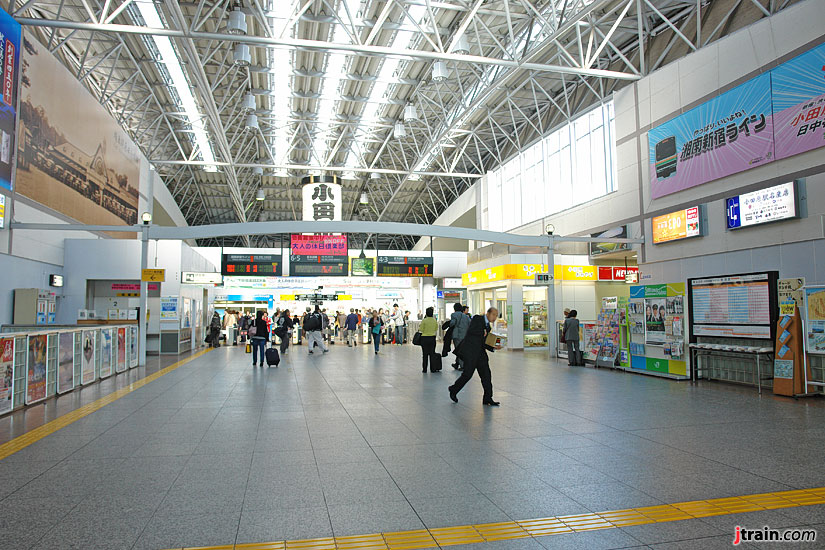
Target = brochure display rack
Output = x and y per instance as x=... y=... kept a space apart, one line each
x=814 y=337
x=656 y=324
x=789 y=362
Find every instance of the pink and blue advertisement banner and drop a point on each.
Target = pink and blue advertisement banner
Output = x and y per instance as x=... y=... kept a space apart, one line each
x=775 y=115
x=799 y=103
x=728 y=134
x=9 y=72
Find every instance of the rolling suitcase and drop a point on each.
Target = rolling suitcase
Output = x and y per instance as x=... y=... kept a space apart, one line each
x=272 y=357
x=435 y=362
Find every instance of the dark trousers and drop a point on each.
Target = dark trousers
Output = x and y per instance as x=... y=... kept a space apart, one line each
x=483 y=368
x=427 y=350
x=376 y=340
x=258 y=344
x=285 y=342
x=573 y=351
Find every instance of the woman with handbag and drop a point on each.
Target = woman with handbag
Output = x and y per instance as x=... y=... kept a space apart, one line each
x=428 y=328
x=376 y=325
x=258 y=334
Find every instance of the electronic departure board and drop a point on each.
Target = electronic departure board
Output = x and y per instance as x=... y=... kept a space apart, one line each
x=251 y=264
x=311 y=266
x=404 y=266
x=734 y=306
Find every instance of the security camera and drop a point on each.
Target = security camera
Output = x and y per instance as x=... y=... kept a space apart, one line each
x=550 y=228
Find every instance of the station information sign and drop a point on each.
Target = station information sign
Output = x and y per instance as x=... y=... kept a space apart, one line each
x=404 y=266
x=251 y=264
x=766 y=205
x=676 y=225
x=314 y=266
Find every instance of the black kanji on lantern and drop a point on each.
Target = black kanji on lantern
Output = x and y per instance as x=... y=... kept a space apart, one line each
x=321 y=192
x=323 y=211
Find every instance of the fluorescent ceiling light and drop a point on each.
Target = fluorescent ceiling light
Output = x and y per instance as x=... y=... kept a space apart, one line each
x=170 y=60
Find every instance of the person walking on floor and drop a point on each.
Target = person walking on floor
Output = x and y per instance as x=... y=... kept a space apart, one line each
x=341 y=326
x=313 y=324
x=459 y=322
x=283 y=330
x=571 y=338
x=215 y=330
x=259 y=335
x=398 y=324
x=474 y=352
x=351 y=328
x=428 y=328
x=375 y=326
x=230 y=324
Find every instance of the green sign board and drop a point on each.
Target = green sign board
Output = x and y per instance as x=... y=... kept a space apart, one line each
x=655 y=291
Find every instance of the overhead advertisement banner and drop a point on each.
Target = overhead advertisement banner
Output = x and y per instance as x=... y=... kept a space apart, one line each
x=728 y=134
x=10 y=50
x=73 y=156
x=313 y=245
x=799 y=103
x=597 y=248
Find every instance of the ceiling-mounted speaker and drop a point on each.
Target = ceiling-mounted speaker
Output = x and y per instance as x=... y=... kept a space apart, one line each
x=399 y=131
x=237 y=22
x=440 y=71
x=462 y=46
x=251 y=122
x=249 y=103
x=241 y=55
x=410 y=113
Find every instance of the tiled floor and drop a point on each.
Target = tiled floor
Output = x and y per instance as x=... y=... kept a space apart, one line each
x=218 y=452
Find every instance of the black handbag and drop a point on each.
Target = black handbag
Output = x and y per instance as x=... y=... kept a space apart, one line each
x=417 y=338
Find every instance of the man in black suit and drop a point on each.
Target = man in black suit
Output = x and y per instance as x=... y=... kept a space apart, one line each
x=473 y=351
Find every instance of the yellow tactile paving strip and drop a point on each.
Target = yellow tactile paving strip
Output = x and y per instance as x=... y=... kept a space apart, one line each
x=471 y=534
x=49 y=428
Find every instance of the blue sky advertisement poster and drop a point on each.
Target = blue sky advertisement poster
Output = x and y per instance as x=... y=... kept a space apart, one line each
x=799 y=103
x=728 y=134
x=10 y=50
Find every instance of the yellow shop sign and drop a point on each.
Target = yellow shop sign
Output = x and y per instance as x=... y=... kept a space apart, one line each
x=528 y=272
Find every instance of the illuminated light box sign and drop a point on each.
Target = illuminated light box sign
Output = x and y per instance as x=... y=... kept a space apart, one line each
x=315 y=245
x=764 y=206
x=598 y=249
x=611 y=273
x=676 y=225
x=404 y=266
x=251 y=264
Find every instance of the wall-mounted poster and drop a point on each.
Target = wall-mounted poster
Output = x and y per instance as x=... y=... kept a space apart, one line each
x=186 y=317
x=655 y=318
x=73 y=156
x=87 y=359
x=105 y=352
x=121 y=364
x=815 y=321
x=168 y=308
x=65 y=362
x=133 y=347
x=728 y=134
x=6 y=374
x=36 y=361
x=10 y=63
x=799 y=103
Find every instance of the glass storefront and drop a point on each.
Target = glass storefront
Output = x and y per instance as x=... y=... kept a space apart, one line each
x=534 y=311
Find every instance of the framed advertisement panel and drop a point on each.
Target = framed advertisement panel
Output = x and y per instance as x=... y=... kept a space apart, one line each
x=88 y=365
x=65 y=362
x=106 y=352
x=37 y=360
x=10 y=31
x=121 y=362
x=133 y=347
x=6 y=374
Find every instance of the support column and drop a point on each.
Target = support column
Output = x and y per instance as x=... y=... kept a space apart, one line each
x=551 y=297
x=143 y=329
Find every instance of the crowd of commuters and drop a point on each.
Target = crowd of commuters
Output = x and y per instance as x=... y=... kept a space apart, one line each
x=465 y=335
